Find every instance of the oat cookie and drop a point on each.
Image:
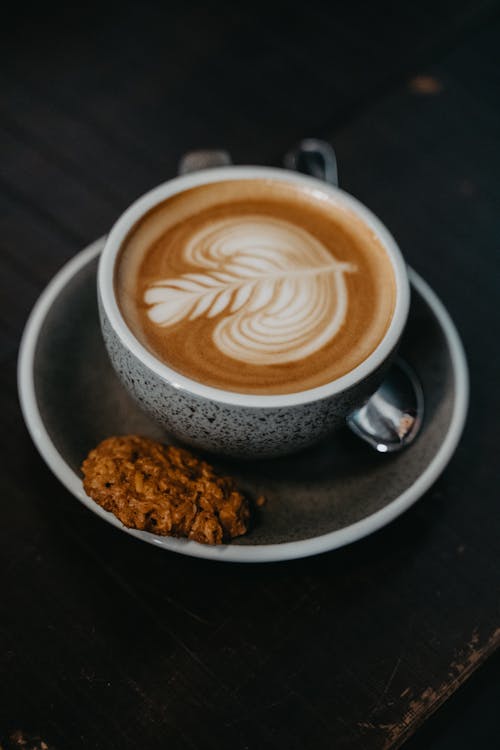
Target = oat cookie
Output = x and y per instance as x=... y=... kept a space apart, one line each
x=165 y=490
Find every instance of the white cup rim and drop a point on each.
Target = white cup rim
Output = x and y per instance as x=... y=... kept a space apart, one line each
x=141 y=206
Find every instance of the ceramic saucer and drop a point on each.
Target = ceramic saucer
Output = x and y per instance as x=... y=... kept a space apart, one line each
x=323 y=498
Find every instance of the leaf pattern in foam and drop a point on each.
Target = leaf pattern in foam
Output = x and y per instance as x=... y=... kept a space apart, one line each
x=278 y=293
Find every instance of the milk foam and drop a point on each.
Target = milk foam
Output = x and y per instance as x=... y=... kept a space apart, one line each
x=279 y=293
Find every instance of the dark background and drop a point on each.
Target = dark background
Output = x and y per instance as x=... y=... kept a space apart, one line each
x=106 y=643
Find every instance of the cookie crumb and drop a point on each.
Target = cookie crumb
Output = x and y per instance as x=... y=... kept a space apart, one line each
x=164 y=490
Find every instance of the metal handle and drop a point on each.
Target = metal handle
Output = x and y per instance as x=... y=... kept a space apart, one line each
x=311 y=156
x=315 y=158
x=193 y=161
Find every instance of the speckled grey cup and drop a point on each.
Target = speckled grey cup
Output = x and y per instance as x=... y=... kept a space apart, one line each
x=238 y=424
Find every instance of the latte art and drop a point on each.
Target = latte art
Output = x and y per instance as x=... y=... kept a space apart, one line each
x=278 y=291
x=255 y=286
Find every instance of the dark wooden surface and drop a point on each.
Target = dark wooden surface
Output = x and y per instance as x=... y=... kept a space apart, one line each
x=108 y=643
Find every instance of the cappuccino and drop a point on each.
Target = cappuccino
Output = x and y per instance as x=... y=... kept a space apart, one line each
x=256 y=286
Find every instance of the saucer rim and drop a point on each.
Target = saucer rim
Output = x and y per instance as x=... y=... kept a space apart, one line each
x=236 y=553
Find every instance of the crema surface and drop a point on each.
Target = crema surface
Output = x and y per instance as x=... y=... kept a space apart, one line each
x=256 y=286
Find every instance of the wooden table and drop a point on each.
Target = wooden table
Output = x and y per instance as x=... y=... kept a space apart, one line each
x=108 y=643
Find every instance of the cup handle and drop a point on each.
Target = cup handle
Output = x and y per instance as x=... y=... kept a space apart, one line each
x=193 y=161
x=315 y=158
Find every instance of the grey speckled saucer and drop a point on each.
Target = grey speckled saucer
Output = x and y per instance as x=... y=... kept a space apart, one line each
x=323 y=498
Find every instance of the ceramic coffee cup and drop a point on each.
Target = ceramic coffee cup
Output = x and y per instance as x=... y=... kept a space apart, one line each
x=238 y=424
